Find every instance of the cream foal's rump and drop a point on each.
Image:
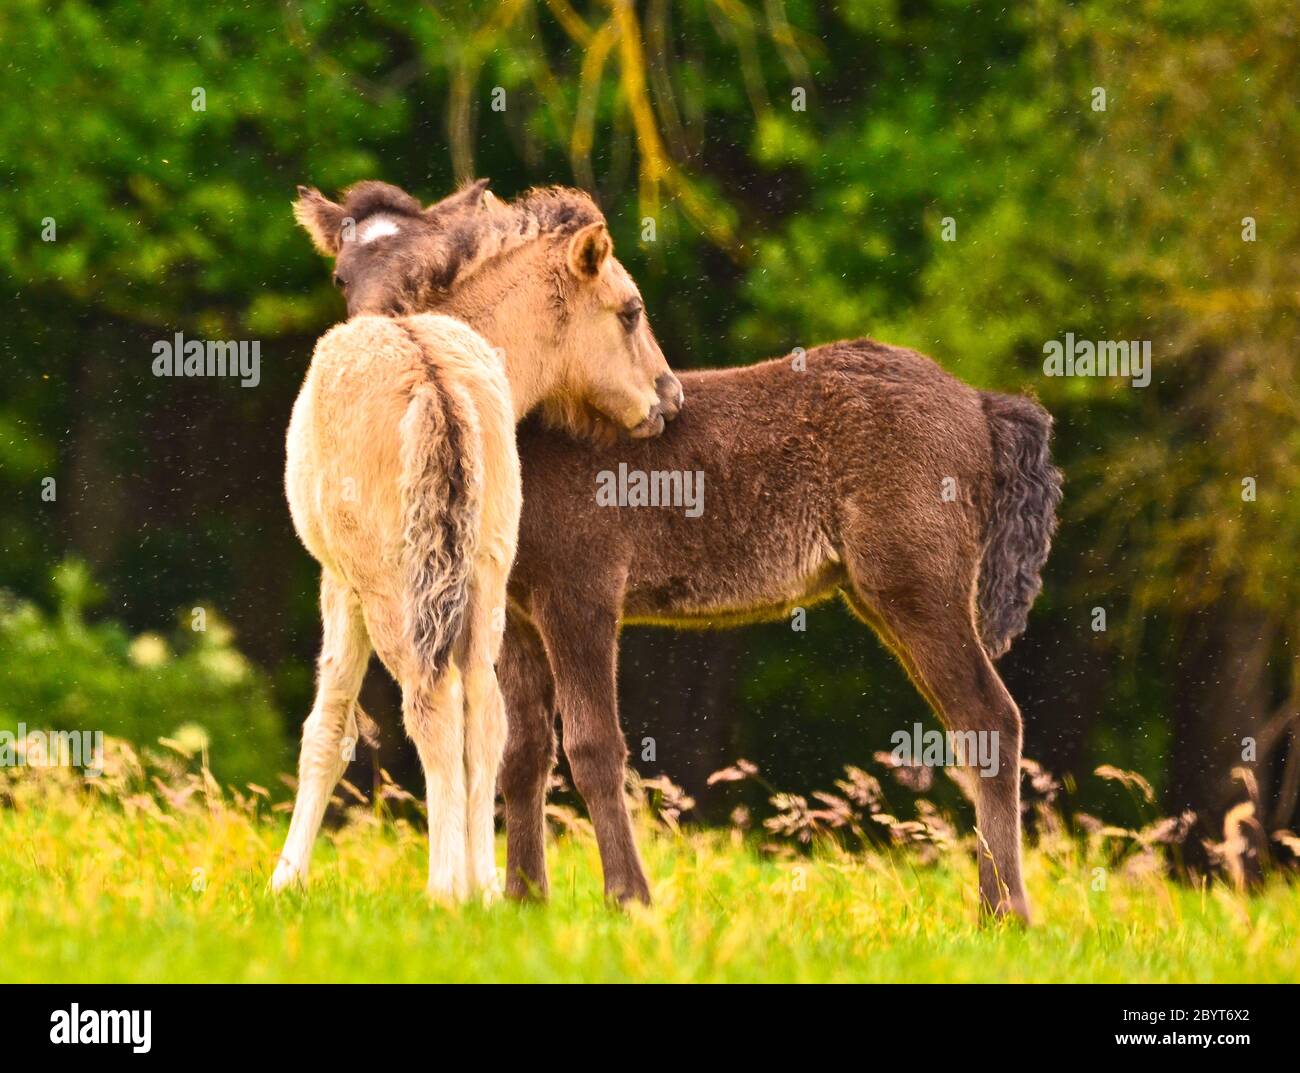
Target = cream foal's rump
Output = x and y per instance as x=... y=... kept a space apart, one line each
x=403 y=482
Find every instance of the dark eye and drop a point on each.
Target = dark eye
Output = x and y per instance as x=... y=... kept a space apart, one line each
x=339 y=281
x=630 y=315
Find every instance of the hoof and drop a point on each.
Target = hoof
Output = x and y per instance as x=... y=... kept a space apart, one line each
x=1012 y=912
x=287 y=875
x=519 y=889
x=446 y=895
x=629 y=894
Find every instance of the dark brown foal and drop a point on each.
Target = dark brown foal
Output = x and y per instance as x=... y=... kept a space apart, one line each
x=871 y=472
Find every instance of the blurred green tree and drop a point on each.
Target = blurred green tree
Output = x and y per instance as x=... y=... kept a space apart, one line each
x=928 y=173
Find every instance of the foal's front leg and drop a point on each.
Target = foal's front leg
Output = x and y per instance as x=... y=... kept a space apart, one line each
x=582 y=645
x=525 y=678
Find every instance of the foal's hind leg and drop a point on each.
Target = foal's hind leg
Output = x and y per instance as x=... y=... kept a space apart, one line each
x=485 y=724
x=329 y=728
x=931 y=627
x=530 y=755
x=433 y=714
x=581 y=640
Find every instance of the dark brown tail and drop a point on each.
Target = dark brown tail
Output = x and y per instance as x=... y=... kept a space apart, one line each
x=1026 y=492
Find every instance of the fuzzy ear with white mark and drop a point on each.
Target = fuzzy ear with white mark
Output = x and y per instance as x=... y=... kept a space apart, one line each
x=589 y=249
x=320 y=218
x=471 y=197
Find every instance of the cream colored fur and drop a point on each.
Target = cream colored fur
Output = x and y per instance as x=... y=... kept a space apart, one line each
x=403 y=479
x=358 y=430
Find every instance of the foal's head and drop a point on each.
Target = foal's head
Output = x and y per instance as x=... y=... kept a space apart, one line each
x=536 y=277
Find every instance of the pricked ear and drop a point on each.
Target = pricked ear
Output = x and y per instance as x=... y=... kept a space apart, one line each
x=589 y=249
x=470 y=197
x=320 y=218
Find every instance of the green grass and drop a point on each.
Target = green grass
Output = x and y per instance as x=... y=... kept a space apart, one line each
x=103 y=887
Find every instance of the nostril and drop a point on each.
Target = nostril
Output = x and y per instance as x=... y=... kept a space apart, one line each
x=671 y=395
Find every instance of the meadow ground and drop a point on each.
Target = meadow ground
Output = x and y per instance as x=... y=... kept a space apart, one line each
x=170 y=885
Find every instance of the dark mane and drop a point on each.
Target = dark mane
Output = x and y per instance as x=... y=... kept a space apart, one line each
x=466 y=241
x=469 y=240
x=559 y=209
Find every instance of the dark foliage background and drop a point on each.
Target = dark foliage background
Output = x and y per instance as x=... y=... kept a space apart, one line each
x=775 y=226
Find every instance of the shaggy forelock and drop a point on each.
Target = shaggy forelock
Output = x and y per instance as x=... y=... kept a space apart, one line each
x=368 y=198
